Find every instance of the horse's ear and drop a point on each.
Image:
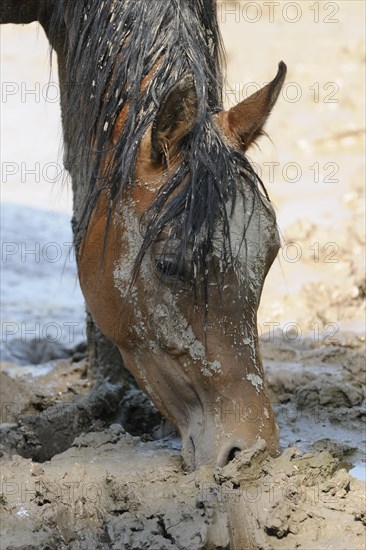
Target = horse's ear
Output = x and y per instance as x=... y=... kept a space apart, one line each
x=246 y=120
x=174 y=120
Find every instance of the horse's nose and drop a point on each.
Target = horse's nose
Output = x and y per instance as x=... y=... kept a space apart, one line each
x=229 y=451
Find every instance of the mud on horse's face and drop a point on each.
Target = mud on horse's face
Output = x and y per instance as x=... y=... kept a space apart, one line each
x=203 y=372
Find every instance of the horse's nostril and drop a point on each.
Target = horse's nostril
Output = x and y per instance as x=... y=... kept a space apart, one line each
x=229 y=451
x=232 y=454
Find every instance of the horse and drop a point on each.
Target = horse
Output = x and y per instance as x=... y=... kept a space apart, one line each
x=176 y=233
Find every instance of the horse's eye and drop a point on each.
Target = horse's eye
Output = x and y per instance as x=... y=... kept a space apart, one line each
x=173 y=269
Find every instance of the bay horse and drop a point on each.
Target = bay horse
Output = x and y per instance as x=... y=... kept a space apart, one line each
x=176 y=233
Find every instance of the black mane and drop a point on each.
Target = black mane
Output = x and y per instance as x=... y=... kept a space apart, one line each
x=110 y=47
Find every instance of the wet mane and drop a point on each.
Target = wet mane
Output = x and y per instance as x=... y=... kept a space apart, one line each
x=111 y=47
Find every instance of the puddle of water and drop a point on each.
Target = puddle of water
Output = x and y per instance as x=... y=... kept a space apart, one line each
x=32 y=370
x=314 y=433
x=358 y=471
x=355 y=469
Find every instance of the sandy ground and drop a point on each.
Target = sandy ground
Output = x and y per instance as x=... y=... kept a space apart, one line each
x=89 y=467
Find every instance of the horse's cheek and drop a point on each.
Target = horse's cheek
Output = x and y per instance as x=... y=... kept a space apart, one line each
x=110 y=312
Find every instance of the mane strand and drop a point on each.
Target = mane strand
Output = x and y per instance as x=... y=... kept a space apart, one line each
x=112 y=46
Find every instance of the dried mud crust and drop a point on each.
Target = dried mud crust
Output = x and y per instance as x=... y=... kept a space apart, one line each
x=110 y=490
x=298 y=500
x=318 y=391
x=42 y=415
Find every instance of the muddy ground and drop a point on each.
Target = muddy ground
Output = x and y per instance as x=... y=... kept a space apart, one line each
x=88 y=464
x=73 y=477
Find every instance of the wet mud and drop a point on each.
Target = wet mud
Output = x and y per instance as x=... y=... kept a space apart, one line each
x=73 y=477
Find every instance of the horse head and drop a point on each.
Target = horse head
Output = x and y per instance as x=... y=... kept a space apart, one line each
x=177 y=232
x=180 y=283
